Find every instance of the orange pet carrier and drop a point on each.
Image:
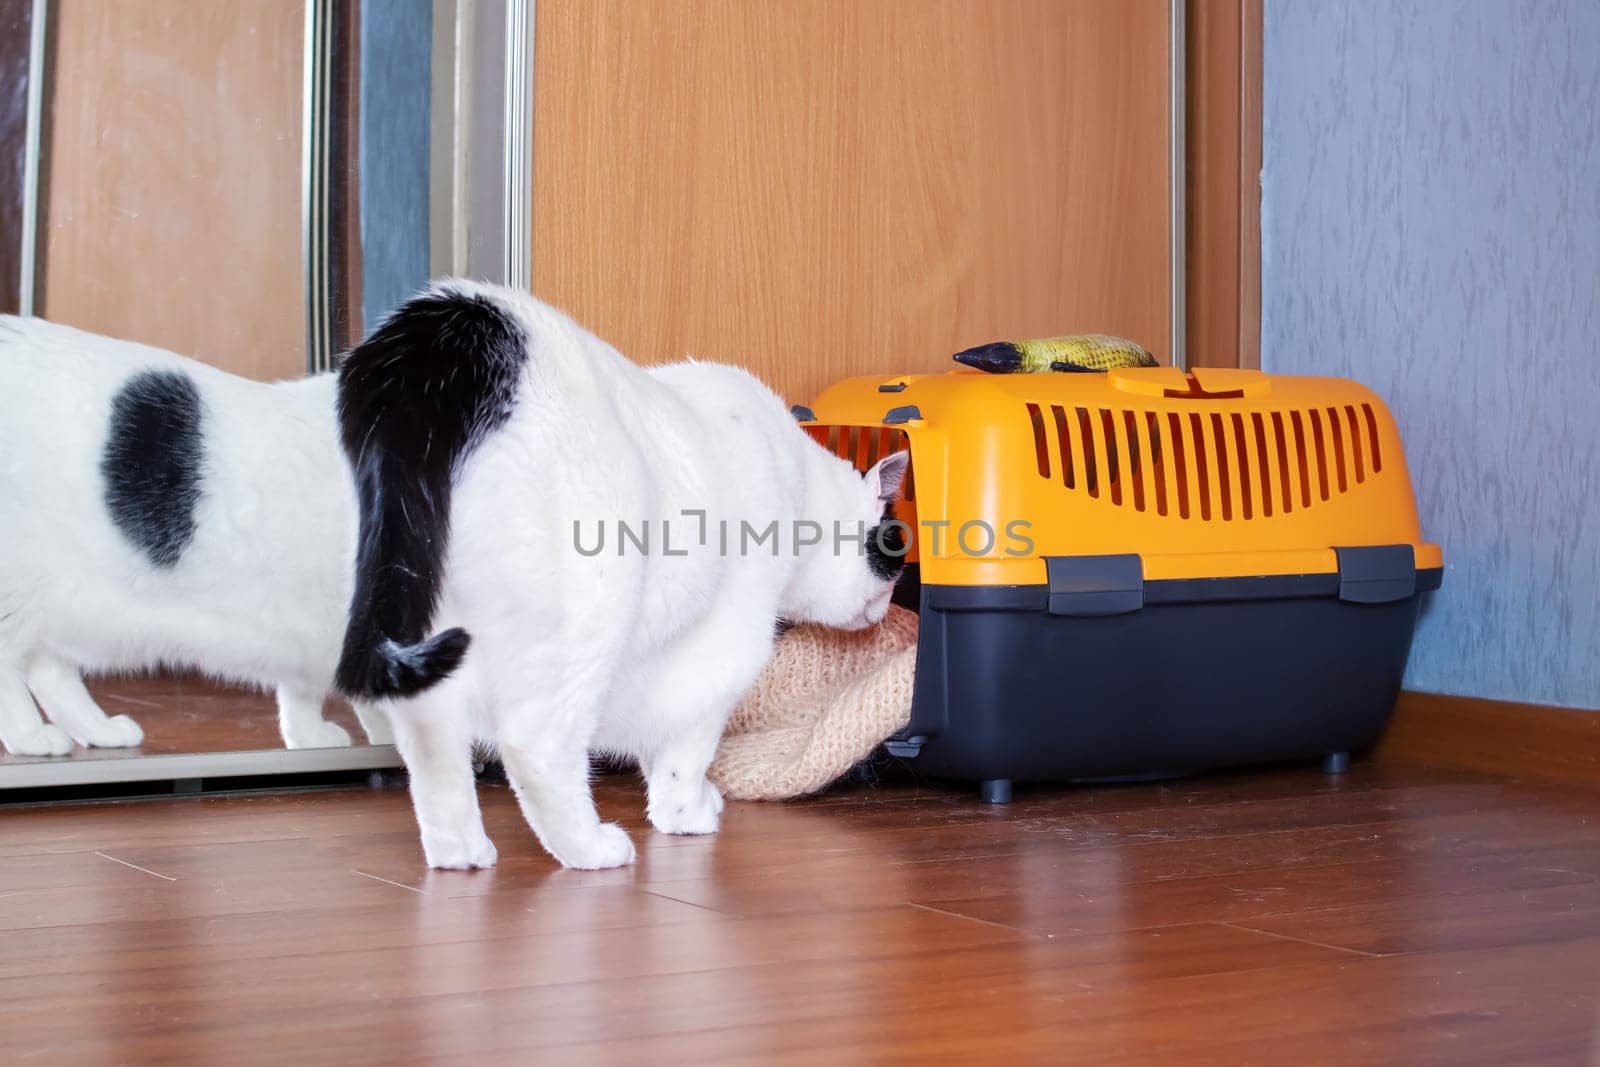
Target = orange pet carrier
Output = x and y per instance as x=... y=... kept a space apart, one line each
x=1143 y=571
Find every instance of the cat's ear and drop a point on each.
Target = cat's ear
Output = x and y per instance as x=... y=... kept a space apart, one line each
x=887 y=475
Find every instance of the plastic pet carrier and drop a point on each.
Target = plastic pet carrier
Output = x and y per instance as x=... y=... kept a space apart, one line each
x=1146 y=571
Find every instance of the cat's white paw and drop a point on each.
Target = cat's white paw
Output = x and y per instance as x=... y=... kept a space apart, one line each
x=321 y=734
x=608 y=846
x=41 y=740
x=459 y=853
x=119 y=731
x=694 y=809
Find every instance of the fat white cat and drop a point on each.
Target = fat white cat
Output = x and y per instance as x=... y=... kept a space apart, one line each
x=452 y=482
x=154 y=510
x=490 y=438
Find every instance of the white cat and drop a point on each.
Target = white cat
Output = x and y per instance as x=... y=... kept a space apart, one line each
x=491 y=438
x=154 y=510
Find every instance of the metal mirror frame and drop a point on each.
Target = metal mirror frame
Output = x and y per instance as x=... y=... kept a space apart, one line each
x=480 y=201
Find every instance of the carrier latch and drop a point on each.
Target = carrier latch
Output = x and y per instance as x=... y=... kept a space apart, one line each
x=1377 y=574
x=1095 y=585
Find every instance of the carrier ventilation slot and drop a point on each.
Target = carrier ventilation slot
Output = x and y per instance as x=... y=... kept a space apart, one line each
x=1232 y=467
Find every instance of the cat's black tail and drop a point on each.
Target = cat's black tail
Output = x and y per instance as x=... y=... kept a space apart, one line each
x=414 y=399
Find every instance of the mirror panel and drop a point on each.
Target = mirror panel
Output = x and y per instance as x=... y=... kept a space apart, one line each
x=253 y=184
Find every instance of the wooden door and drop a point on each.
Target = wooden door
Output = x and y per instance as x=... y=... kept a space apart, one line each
x=818 y=188
x=172 y=193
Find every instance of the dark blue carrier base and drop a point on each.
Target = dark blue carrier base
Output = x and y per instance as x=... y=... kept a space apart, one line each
x=1103 y=675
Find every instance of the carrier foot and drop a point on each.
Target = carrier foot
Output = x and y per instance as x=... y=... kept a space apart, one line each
x=1336 y=763
x=995 y=791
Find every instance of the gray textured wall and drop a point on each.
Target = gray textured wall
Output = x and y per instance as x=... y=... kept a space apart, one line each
x=1431 y=226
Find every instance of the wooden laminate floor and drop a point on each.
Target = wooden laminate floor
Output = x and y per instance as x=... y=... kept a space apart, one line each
x=1391 y=916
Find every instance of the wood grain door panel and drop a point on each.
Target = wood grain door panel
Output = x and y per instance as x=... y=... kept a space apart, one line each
x=818 y=188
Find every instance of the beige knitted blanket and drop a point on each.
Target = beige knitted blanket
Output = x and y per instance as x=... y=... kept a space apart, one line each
x=823 y=704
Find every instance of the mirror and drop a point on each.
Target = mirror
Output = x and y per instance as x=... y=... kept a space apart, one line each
x=252 y=184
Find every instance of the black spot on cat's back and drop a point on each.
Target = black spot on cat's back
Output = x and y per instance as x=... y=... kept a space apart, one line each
x=151 y=463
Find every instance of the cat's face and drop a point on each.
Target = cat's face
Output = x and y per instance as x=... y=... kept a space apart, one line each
x=846 y=585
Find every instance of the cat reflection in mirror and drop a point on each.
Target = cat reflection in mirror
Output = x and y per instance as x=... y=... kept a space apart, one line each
x=403 y=531
x=157 y=511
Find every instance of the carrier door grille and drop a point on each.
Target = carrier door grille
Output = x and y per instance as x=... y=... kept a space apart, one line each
x=1233 y=466
x=864 y=446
